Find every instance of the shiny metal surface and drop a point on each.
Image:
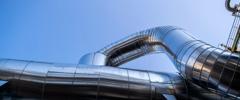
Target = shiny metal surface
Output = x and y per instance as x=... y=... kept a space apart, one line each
x=143 y=43
x=200 y=63
x=93 y=59
x=211 y=73
x=38 y=80
x=50 y=81
x=166 y=38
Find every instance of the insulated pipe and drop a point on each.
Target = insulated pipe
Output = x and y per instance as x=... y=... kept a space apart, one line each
x=28 y=80
x=131 y=47
x=210 y=67
x=39 y=80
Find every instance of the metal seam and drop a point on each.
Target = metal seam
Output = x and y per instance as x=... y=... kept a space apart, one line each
x=174 y=92
x=184 y=65
x=20 y=76
x=17 y=88
x=44 y=83
x=197 y=59
x=223 y=70
x=150 y=87
x=128 y=83
x=185 y=83
x=168 y=32
x=184 y=45
x=235 y=69
x=180 y=50
x=218 y=55
x=74 y=74
x=98 y=85
x=189 y=34
x=180 y=59
x=190 y=57
x=205 y=62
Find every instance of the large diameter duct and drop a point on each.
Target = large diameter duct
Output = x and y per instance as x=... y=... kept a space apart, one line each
x=210 y=67
x=38 y=80
x=28 y=80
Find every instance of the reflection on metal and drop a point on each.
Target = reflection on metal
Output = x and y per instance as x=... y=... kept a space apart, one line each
x=49 y=81
x=93 y=59
x=35 y=80
x=2 y=83
x=206 y=72
x=211 y=73
x=200 y=63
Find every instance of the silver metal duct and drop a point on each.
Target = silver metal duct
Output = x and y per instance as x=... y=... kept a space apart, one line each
x=29 y=80
x=39 y=80
x=209 y=67
x=139 y=44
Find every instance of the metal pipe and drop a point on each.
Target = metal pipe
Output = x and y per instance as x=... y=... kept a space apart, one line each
x=200 y=63
x=49 y=81
x=39 y=80
x=134 y=46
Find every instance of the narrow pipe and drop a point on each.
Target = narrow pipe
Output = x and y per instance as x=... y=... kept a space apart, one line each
x=200 y=63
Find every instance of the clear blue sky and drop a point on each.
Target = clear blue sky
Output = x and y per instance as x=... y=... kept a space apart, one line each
x=63 y=30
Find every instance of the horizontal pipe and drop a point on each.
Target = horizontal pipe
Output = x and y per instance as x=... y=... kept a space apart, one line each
x=139 y=44
x=49 y=81
x=198 y=62
x=39 y=80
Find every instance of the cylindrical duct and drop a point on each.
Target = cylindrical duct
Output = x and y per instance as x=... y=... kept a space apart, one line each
x=38 y=80
x=210 y=67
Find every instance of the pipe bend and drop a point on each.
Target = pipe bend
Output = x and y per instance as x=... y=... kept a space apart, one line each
x=198 y=62
x=142 y=43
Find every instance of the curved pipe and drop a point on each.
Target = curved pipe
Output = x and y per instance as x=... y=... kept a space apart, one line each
x=137 y=45
x=228 y=6
x=200 y=63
